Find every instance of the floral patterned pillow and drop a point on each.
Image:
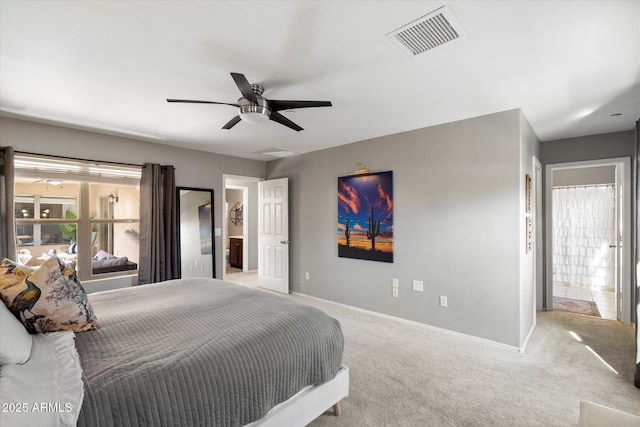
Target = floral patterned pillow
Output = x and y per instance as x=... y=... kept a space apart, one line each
x=50 y=299
x=12 y=273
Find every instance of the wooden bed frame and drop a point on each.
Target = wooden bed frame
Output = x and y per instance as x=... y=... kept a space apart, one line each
x=309 y=403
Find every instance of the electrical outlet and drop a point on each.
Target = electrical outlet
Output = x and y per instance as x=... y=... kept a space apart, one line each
x=306 y=275
x=418 y=286
x=443 y=301
x=395 y=292
x=394 y=283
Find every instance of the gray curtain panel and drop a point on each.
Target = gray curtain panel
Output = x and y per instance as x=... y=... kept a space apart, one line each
x=637 y=290
x=158 y=225
x=8 y=243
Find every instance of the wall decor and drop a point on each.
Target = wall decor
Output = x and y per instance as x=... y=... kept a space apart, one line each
x=204 y=220
x=529 y=233
x=527 y=193
x=365 y=216
x=236 y=214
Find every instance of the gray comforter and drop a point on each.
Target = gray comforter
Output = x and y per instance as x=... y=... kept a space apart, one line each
x=200 y=352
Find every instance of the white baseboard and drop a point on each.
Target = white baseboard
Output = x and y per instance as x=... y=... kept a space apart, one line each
x=526 y=340
x=414 y=323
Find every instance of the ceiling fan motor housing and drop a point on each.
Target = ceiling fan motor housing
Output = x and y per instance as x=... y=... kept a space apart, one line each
x=252 y=112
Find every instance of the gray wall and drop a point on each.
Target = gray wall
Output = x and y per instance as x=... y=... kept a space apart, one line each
x=584 y=176
x=193 y=168
x=458 y=225
x=593 y=147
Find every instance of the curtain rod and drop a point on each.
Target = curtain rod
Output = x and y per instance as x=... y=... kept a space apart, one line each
x=77 y=158
x=582 y=186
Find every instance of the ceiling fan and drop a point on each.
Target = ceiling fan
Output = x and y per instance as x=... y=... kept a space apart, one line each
x=254 y=108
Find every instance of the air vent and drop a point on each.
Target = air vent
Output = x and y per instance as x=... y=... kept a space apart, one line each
x=276 y=152
x=432 y=30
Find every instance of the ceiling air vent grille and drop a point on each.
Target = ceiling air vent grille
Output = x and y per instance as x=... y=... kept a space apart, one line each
x=432 y=30
x=276 y=152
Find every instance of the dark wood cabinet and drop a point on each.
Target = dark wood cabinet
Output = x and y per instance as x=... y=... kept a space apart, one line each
x=235 y=252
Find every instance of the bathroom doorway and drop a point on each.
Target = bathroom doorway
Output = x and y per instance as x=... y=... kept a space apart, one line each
x=239 y=229
x=588 y=250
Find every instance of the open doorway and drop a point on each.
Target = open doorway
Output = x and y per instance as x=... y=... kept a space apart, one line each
x=588 y=254
x=236 y=205
x=239 y=230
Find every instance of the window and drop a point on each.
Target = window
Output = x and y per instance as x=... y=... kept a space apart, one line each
x=30 y=208
x=86 y=213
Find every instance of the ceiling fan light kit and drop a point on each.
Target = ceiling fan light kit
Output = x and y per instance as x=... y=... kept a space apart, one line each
x=258 y=112
x=254 y=108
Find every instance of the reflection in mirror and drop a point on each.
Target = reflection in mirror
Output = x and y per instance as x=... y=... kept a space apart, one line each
x=195 y=218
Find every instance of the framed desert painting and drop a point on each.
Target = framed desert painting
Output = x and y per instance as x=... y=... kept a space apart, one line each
x=365 y=216
x=204 y=221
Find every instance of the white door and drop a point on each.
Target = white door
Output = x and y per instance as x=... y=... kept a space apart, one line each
x=273 y=235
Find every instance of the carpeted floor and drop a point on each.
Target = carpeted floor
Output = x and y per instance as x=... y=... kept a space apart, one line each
x=578 y=306
x=408 y=375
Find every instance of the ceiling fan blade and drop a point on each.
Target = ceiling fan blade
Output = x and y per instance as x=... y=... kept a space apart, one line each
x=231 y=123
x=277 y=117
x=193 y=101
x=245 y=87
x=277 y=105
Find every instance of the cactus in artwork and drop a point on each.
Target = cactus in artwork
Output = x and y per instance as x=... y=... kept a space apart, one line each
x=347 y=233
x=373 y=230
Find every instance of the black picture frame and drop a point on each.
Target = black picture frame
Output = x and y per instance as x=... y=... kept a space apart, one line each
x=199 y=208
x=365 y=216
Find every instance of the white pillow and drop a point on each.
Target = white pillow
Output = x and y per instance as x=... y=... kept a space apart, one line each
x=102 y=254
x=51 y=377
x=15 y=341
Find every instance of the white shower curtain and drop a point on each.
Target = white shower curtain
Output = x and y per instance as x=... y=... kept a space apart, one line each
x=583 y=228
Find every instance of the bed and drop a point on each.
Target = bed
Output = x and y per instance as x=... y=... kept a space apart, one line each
x=203 y=352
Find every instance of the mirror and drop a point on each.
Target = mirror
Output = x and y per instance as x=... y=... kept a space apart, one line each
x=195 y=232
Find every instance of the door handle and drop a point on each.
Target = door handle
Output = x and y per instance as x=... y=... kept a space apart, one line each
x=284 y=242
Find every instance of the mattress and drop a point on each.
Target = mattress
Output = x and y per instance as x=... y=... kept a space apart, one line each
x=200 y=352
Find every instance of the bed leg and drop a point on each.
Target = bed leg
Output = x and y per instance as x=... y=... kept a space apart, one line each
x=337 y=409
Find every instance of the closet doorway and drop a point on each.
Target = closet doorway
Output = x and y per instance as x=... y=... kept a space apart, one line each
x=588 y=250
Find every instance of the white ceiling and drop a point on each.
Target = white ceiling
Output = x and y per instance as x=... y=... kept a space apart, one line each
x=109 y=66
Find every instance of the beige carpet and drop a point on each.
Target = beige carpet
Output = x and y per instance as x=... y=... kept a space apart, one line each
x=406 y=375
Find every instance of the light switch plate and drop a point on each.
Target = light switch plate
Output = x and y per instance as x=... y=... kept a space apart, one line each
x=418 y=285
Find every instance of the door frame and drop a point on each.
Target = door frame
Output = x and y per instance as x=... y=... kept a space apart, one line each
x=623 y=168
x=538 y=253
